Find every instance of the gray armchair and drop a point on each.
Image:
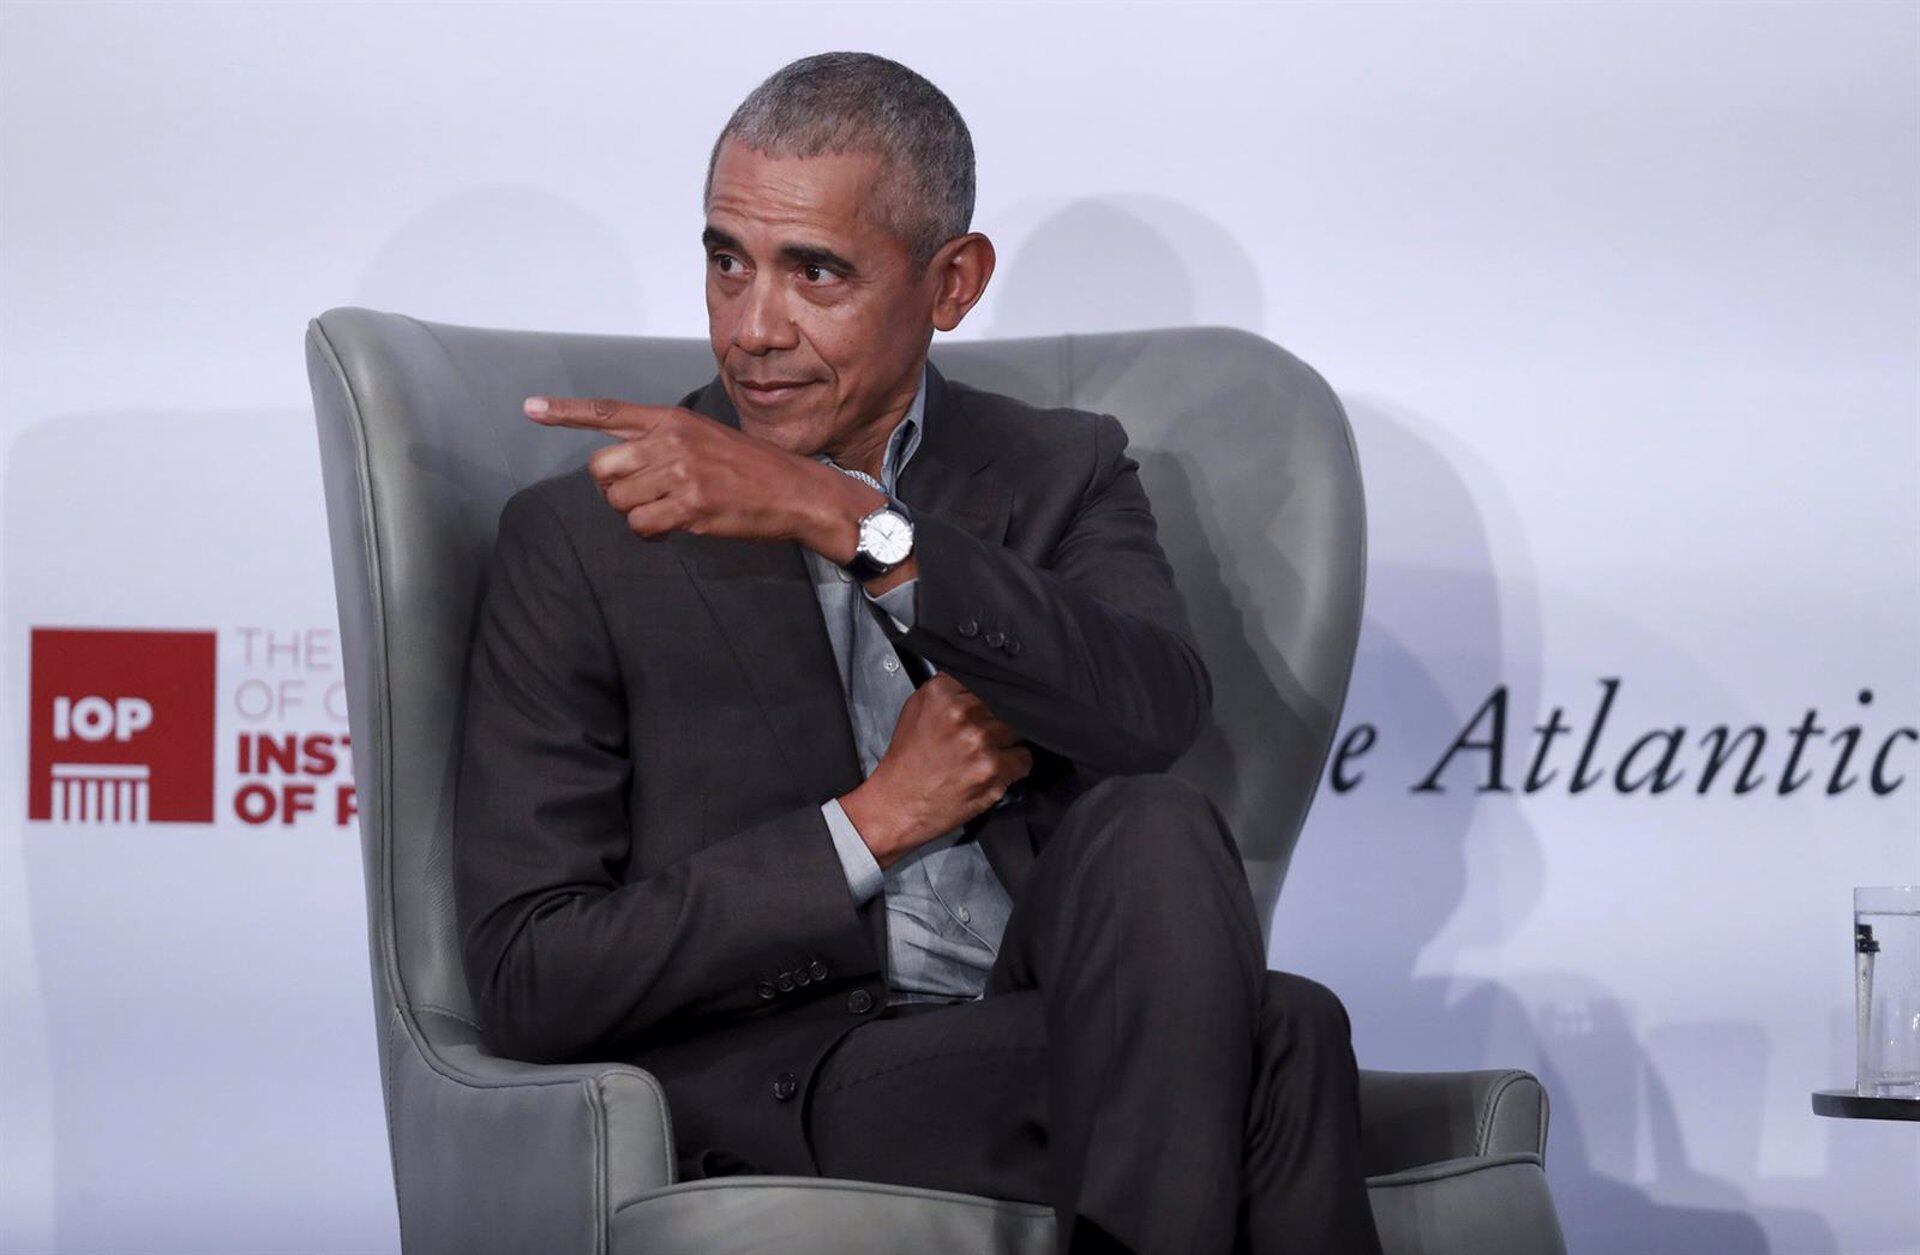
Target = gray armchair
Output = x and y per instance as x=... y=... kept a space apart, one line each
x=1247 y=457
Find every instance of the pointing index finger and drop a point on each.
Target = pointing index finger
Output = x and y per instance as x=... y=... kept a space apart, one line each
x=616 y=418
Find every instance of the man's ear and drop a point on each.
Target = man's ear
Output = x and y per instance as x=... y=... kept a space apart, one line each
x=960 y=272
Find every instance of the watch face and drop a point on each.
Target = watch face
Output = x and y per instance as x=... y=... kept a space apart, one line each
x=886 y=537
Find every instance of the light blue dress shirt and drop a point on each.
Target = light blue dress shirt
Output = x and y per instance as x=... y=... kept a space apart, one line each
x=946 y=909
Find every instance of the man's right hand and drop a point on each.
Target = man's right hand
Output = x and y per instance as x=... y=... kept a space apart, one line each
x=949 y=760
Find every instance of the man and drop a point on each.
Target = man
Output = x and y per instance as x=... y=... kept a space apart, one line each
x=816 y=738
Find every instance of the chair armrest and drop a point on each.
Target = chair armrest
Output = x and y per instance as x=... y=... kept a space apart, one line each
x=1488 y=1205
x=496 y=1154
x=1410 y=1119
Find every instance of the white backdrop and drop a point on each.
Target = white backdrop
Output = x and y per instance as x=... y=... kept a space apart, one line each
x=1622 y=302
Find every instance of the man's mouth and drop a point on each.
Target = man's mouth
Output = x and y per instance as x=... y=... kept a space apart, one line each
x=771 y=391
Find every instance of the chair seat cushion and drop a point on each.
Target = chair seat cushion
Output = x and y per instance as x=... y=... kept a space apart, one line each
x=1492 y=1205
x=822 y=1216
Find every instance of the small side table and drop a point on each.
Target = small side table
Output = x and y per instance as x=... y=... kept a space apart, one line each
x=1847 y=1105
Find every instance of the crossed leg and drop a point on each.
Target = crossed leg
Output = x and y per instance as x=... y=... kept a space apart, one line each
x=1133 y=1063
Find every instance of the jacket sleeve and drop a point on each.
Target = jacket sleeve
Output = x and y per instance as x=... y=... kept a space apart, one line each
x=1088 y=654
x=563 y=956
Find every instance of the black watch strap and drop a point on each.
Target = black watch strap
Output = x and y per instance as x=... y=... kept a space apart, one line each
x=864 y=567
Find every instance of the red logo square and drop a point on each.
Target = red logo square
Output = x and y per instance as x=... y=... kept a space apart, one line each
x=121 y=726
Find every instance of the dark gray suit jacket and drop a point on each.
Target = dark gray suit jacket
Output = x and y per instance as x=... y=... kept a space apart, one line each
x=651 y=727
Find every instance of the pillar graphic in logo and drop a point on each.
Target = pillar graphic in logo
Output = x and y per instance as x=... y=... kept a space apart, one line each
x=122 y=726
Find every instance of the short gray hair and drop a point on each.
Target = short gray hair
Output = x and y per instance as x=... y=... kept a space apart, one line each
x=857 y=102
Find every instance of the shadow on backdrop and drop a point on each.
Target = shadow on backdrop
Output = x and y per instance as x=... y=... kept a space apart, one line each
x=1439 y=874
x=209 y=1042
x=506 y=256
x=1379 y=898
x=1117 y=263
x=176 y=1155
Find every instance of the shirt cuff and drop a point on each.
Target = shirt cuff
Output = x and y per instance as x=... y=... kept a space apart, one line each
x=898 y=603
x=864 y=876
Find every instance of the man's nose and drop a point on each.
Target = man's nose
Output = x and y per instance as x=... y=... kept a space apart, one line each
x=764 y=322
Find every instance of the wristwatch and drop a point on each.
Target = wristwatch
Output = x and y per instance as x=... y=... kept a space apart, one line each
x=886 y=535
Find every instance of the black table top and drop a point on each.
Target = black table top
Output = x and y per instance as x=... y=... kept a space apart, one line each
x=1846 y=1104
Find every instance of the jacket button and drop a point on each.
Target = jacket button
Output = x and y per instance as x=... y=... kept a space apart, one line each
x=859 y=1002
x=995 y=637
x=766 y=989
x=819 y=970
x=785 y=982
x=1013 y=645
x=785 y=1086
x=803 y=976
x=969 y=628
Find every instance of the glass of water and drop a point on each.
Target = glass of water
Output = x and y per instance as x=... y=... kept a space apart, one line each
x=1886 y=991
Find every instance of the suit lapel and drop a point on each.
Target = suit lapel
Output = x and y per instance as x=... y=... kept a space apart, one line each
x=763 y=604
x=761 y=597
x=950 y=477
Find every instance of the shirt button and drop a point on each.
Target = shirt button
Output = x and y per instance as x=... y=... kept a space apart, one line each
x=891 y=663
x=964 y=914
x=845 y=578
x=969 y=628
x=785 y=1086
x=859 y=1002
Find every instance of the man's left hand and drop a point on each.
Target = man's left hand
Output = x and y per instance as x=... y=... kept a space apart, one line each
x=676 y=470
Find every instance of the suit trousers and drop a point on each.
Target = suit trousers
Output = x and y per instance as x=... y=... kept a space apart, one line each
x=1132 y=1063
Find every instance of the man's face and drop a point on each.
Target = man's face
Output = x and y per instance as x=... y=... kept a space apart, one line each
x=805 y=289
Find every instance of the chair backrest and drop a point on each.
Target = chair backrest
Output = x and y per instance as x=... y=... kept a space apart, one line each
x=1244 y=451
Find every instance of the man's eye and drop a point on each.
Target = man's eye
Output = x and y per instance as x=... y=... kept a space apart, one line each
x=818 y=275
x=721 y=262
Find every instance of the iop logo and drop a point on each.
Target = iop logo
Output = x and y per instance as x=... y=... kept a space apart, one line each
x=122 y=726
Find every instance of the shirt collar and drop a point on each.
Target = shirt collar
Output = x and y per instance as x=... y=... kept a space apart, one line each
x=906 y=437
x=903 y=441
